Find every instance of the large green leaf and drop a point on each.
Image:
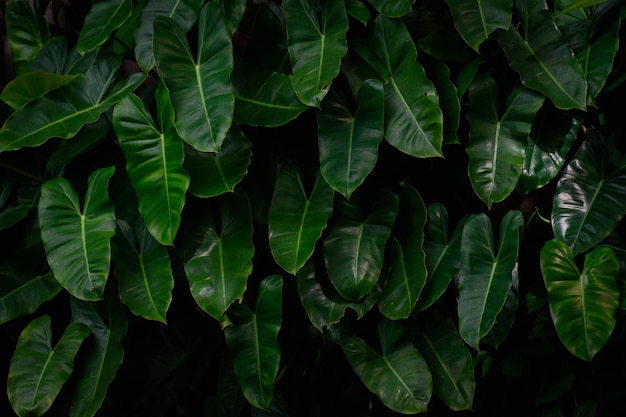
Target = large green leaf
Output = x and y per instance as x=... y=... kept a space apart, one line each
x=27 y=31
x=213 y=174
x=105 y=17
x=398 y=375
x=200 y=88
x=486 y=275
x=143 y=270
x=407 y=267
x=154 y=162
x=497 y=142
x=392 y=8
x=253 y=342
x=104 y=354
x=413 y=119
x=355 y=247
x=31 y=85
x=588 y=201
x=476 y=19
x=77 y=240
x=582 y=304
x=296 y=220
x=63 y=111
x=37 y=370
x=316 y=33
x=219 y=258
x=544 y=59
x=348 y=142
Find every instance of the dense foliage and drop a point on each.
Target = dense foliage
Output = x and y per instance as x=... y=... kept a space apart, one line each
x=312 y=208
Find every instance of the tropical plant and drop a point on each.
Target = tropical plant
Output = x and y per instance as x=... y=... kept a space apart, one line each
x=312 y=208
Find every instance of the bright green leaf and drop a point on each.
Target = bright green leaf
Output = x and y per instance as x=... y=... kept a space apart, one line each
x=476 y=19
x=105 y=17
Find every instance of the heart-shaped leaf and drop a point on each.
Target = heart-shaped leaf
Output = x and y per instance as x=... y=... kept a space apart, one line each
x=105 y=17
x=476 y=19
x=27 y=31
x=77 y=240
x=582 y=304
x=392 y=8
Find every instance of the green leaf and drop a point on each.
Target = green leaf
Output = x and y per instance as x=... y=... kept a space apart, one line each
x=233 y=11
x=77 y=240
x=348 y=142
x=506 y=316
x=52 y=57
x=63 y=111
x=413 y=119
x=486 y=275
x=588 y=201
x=407 y=268
x=213 y=174
x=26 y=193
x=543 y=58
x=219 y=257
x=497 y=143
x=154 y=162
x=105 y=17
x=316 y=33
x=31 y=85
x=27 y=31
x=144 y=273
x=183 y=12
x=200 y=88
x=38 y=371
x=358 y=10
x=104 y=355
x=582 y=304
x=392 y=8
x=577 y=4
x=253 y=342
x=296 y=220
x=476 y=19
x=398 y=375
x=354 y=249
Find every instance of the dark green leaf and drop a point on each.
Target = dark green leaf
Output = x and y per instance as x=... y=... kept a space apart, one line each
x=358 y=10
x=577 y=4
x=87 y=137
x=105 y=17
x=392 y=8
x=233 y=11
x=27 y=31
x=449 y=101
x=31 y=85
x=476 y=19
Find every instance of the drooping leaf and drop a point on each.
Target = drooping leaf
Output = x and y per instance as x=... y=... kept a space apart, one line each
x=398 y=375
x=297 y=217
x=38 y=371
x=544 y=59
x=105 y=17
x=354 y=249
x=392 y=8
x=77 y=239
x=582 y=304
x=143 y=270
x=413 y=119
x=587 y=201
x=154 y=158
x=316 y=33
x=498 y=142
x=348 y=142
x=485 y=275
x=31 y=85
x=253 y=344
x=407 y=268
x=213 y=174
x=27 y=31
x=104 y=354
x=476 y=19
x=219 y=260
x=200 y=88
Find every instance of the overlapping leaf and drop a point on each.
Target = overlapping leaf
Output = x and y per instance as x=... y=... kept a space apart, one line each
x=393 y=8
x=476 y=19
x=105 y=17
x=27 y=31
x=449 y=97
x=31 y=85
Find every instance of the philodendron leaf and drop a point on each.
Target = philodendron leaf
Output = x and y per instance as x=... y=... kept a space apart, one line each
x=296 y=220
x=486 y=275
x=398 y=375
x=154 y=158
x=103 y=356
x=31 y=85
x=355 y=247
x=316 y=33
x=577 y=4
x=392 y=8
x=253 y=342
x=582 y=304
x=348 y=142
x=497 y=142
x=77 y=240
x=105 y=17
x=413 y=119
x=38 y=371
x=544 y=59
x=476 y=19
x=27 y=31
x=200 y=88
x=406 y=275
x=143 y=270
x=63 y=111
x=588 y=201
x=219 y=260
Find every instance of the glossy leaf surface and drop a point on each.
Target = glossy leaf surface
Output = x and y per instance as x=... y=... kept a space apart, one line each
x=31 y=85
x=475 y=20
x=27 y=31
x=105 y=17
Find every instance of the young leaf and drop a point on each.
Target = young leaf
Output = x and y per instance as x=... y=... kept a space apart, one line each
x=27 y=31
x=77 y=241
x=105 y=17
x=476 y=19
x=392 y=8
